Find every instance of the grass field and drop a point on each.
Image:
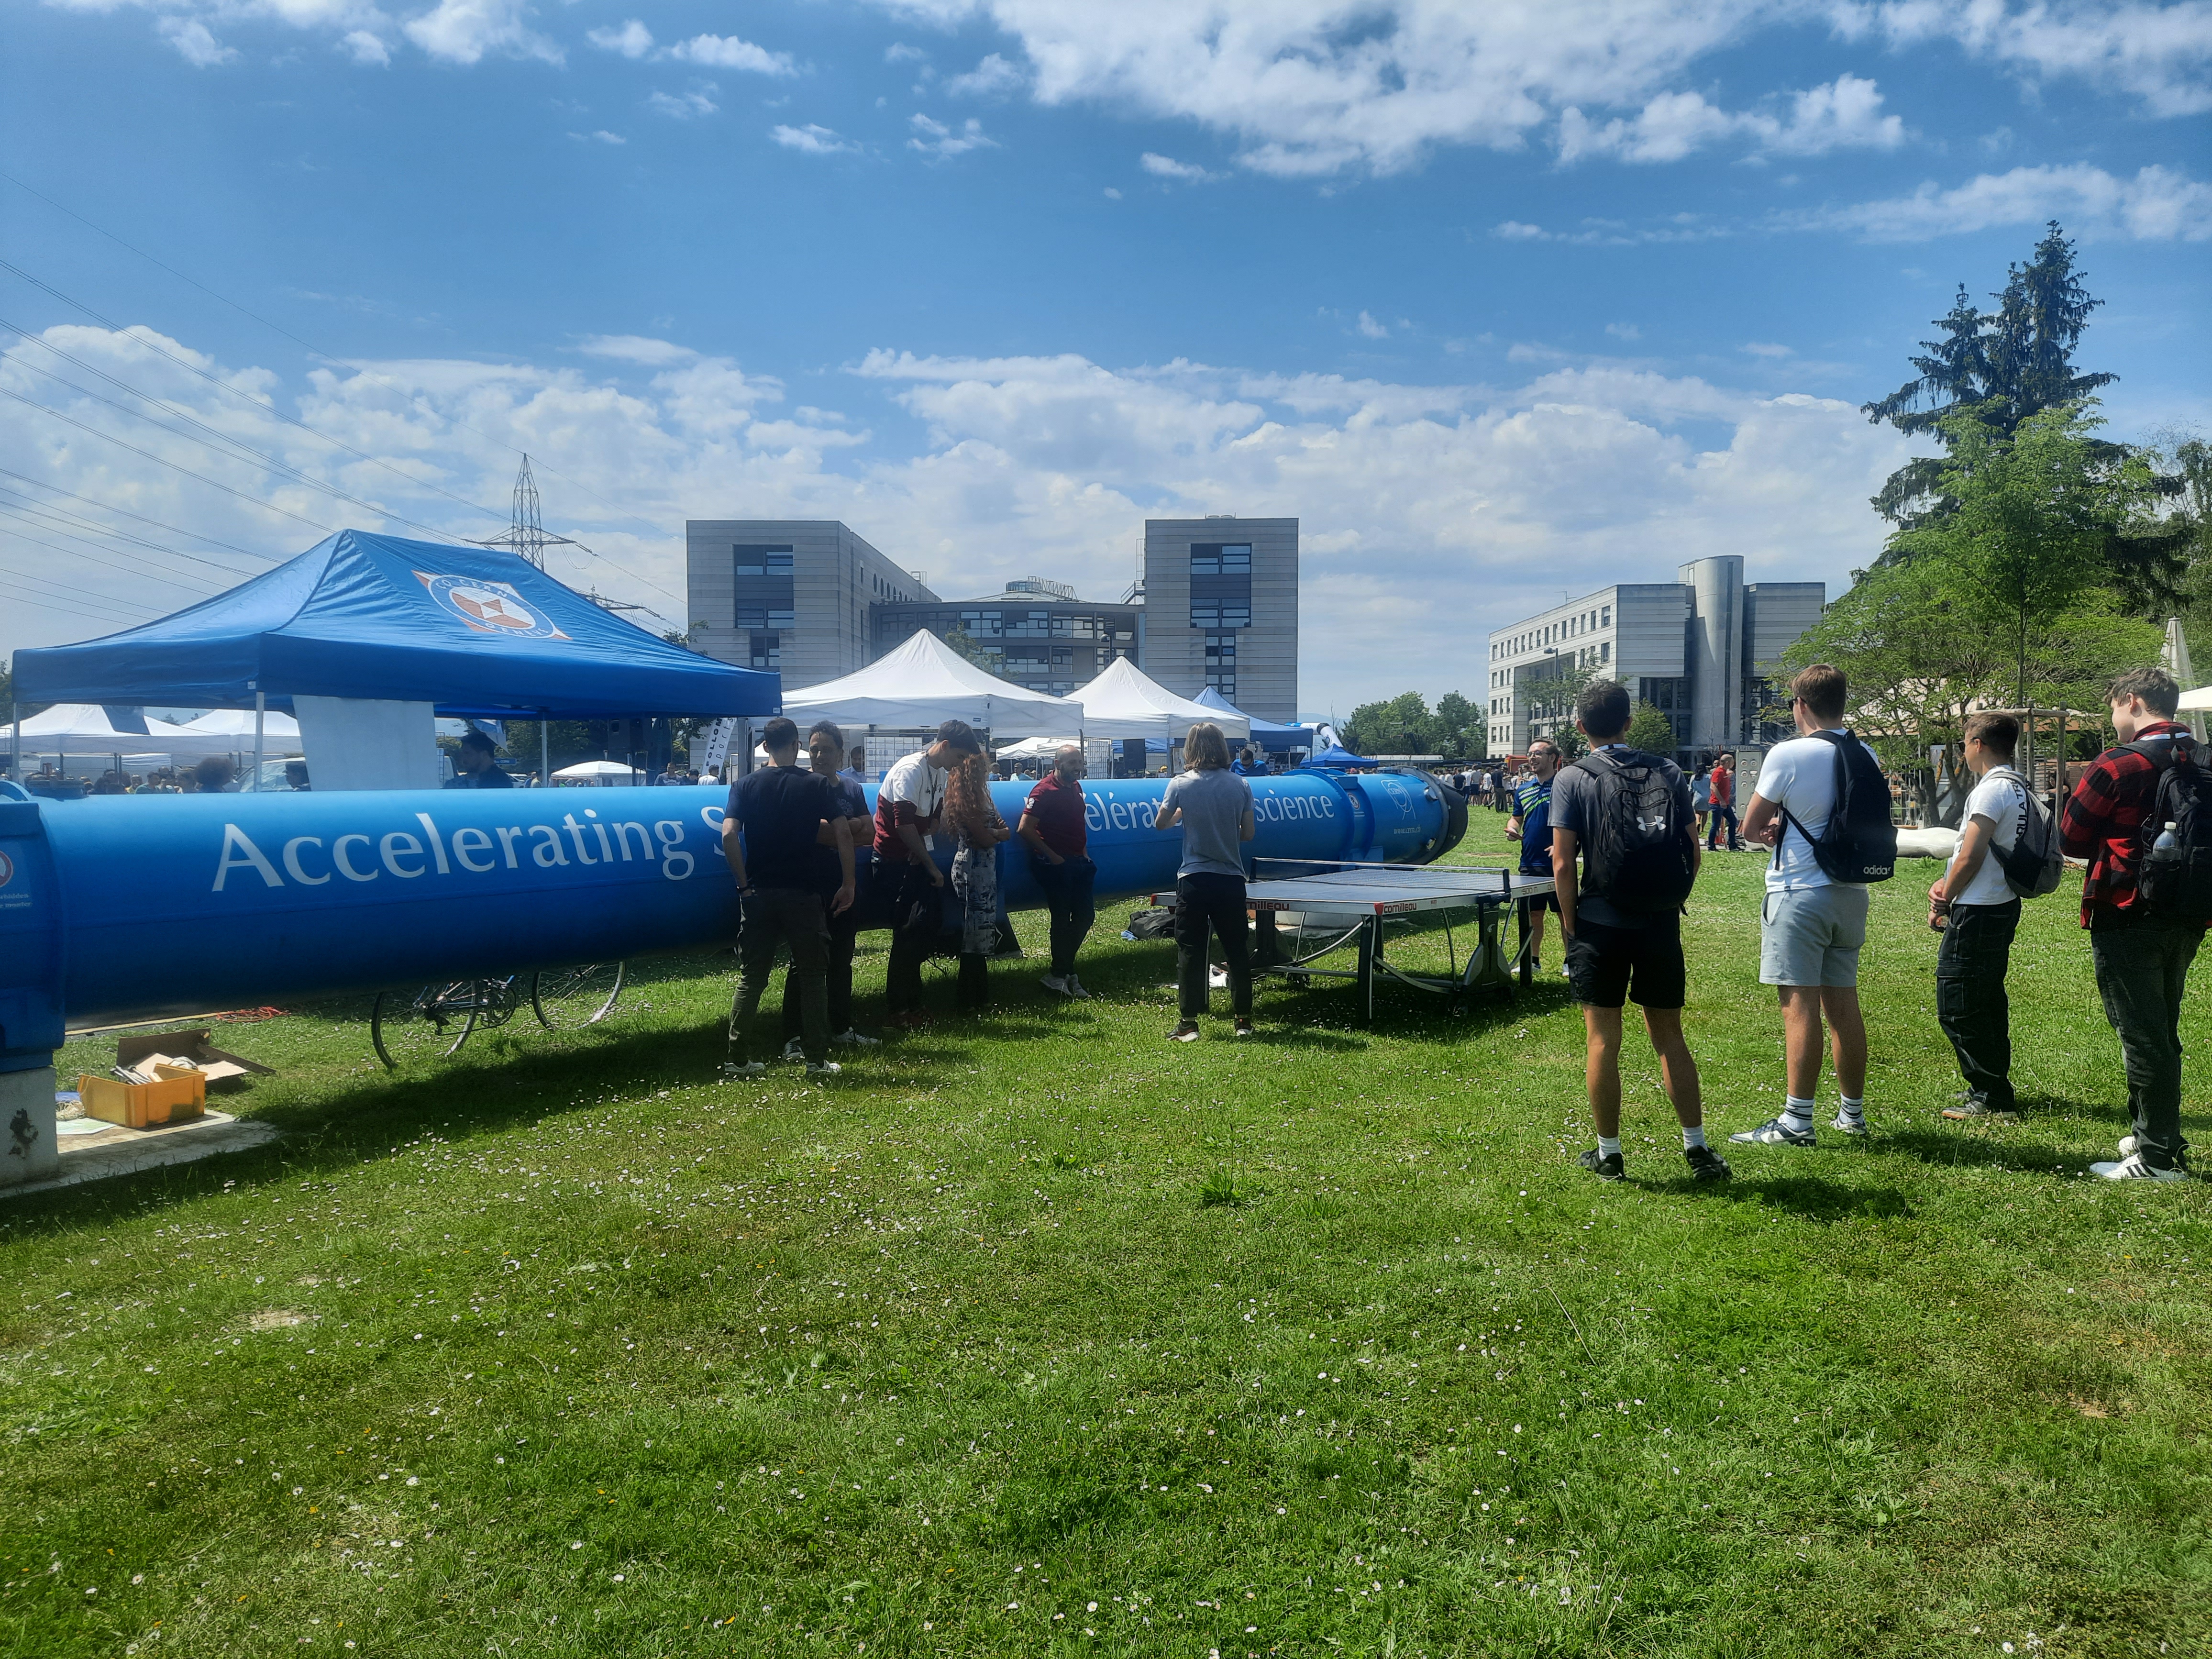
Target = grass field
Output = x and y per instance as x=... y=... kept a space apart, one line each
x=1039 y=1335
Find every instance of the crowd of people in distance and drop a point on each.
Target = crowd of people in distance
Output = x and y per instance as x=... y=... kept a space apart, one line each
x=1624 y=852
x=814 y=866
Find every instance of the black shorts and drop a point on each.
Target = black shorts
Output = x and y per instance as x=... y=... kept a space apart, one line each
x=1608 y=965
x=1540 y=902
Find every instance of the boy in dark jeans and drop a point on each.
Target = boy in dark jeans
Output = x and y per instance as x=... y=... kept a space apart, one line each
x=1615 y=953
x=2142 y=959
x=1978 y=913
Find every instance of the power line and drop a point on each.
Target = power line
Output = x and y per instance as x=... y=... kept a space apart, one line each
x=216 y=380
x=268 y=507
x=125 y=512
x=262 y=457
x=144 y=575
x=117 y=609
x=296 y=339
x=31 y=505
x=65 y=610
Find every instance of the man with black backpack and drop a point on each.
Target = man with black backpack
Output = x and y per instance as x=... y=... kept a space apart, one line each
x=1823 y=805
x=2145 y=902
x=1975 y=903
x=1627 y=814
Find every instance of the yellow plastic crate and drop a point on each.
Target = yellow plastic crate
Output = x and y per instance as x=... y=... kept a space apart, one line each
x=139 y=1105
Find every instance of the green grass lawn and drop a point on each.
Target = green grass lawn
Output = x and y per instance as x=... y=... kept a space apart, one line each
x=1040 y=1334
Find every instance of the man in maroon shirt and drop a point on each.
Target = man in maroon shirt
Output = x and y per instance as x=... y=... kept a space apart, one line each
x=2143 y=958
x=1053 y=826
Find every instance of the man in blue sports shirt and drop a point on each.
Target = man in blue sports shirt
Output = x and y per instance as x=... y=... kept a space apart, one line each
x=1531 y=824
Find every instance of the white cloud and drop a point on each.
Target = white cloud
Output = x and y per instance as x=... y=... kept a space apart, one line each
x=899 y=52
x=2157 y=205
x=685 y=106
x=635 y=348
x=1372 y=329
x=466 y=31
x=1765 y=349
x=812 y=140
x=632 y=39
x=995 y=75
x=1845 y=114
x=935 y=138
x=193 y=42
x=729 y=53
x=366 y=50
x=1112 y=194
x=601 y=136
x=1166 y=167
x=2160 y=55
x=1515 y=230
x=1428 y=513
x=1623 y=330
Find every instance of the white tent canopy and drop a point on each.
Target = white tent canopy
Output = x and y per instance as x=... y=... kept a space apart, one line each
x=1035 y=747
x=90 y=728
x=600 y=771
x=235 y=726
x=1123 y=696
x=924 y=681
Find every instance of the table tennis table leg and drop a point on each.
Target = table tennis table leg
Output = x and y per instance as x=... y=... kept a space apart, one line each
x=1370 y=946
x=1268 y=948
x=1527 y=968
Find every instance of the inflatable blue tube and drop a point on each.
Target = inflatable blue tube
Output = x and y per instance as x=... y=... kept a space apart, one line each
x=122 y=908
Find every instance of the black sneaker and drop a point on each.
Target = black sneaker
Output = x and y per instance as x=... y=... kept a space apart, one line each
x=1968 y=1107
x=1706 y=1164
x=1606 y=1166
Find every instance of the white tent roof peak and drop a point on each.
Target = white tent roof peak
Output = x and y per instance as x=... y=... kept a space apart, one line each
x=924 y=681
x=1124 y=692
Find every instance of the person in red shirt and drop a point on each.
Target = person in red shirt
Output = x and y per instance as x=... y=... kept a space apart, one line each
x=2142 y=957
x=1723 y=797
x=1053 y=828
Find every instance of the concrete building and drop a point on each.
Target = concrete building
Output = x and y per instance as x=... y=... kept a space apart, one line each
x=1036 y=633
x=1221 y=610
x=792 y=594
x=1700 y=648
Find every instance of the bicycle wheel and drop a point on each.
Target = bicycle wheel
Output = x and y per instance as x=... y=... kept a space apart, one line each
x=566 y=998
x=428 y=1024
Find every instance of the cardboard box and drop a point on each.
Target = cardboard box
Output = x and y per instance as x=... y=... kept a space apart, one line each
x=224 y=1073
x=137 y=1105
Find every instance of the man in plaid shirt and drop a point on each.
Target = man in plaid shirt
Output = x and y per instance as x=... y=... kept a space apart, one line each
x=2143 y=960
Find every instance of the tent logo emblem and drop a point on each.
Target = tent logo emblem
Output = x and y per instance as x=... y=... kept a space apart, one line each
x=7 y=870
x=488 y=607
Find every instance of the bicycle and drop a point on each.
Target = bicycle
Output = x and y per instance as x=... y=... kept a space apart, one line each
x=433 y=1022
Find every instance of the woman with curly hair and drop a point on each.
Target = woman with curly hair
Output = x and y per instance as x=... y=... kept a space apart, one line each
x=977 y=829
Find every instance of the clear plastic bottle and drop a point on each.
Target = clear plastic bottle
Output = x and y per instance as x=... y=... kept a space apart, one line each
x=2167 y=847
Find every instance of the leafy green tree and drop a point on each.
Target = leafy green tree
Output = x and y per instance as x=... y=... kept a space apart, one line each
x=1649 y=730
x=1400 y=725
x=1463 y=733
x=963 y=644
x=1549 y=695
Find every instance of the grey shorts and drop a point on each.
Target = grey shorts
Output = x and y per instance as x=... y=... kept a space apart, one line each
x=1812 y=935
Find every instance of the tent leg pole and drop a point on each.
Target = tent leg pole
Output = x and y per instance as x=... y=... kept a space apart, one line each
x=544 y=750
x=16 y=742
x=260 y=716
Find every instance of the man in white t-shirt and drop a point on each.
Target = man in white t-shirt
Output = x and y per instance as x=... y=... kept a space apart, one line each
x=1810 y=927
x=1979 y=912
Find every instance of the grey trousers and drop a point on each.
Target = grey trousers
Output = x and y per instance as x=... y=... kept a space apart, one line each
x=2142 y=971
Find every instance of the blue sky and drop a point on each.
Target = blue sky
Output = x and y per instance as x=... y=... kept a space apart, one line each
x=1500 y=300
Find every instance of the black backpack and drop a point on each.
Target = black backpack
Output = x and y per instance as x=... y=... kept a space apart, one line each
x=1641 y=855
x=1858 y=843
x=2180 y=887
x=2033 y=864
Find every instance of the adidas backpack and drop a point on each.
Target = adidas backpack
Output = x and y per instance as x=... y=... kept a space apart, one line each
x=2181 y=886
x=2033 y=864
x=1858 y=843
x=1642 y=855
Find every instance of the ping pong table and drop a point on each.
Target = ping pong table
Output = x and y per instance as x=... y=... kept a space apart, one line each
x=1356 y=902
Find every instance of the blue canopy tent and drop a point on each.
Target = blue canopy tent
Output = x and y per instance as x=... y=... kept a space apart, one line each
x=1266 y=734
x=1341 y=760
x=478 y=633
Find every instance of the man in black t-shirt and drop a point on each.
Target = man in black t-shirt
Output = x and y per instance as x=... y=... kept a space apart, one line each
x=768 y=836
x=825 y=745
x=473 y=766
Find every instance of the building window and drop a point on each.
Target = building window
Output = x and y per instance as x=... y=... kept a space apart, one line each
x=1605 y=614
x=767 y=651
x=762 y=561
x=1215 y=613
x=766 y=616
x=1231 y=560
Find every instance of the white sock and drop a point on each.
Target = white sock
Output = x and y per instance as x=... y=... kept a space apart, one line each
x=1608 y=1146
x=1797 y=1114
x=1854 y=1108
x=1693 y=1138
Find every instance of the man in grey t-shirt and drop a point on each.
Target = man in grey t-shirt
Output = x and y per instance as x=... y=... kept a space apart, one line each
x=1214 y=806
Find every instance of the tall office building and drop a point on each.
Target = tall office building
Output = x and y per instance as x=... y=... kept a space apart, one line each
x=791 y=594
x=1221 y=610
x=1701 y=648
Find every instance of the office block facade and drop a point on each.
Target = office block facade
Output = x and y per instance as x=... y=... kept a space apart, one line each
x=1221 y=610
x=1036 y=633
x=789 y=594
x=1701 y=649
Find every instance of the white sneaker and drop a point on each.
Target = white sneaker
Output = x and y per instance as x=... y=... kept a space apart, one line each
x=1075 y=989
x=795 y=1049
x=2132 y=1168
x=732 y=1070
x=826 y=1068
x=2128 y=1145
x=854 y=1040
x=1848 y=1124
x=1565 y=972
x=1056 y=985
